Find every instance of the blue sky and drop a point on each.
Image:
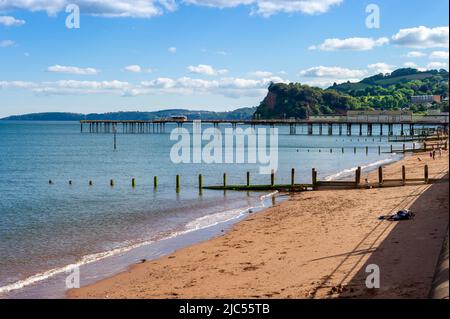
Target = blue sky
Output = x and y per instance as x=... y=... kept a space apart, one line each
x=202 y=54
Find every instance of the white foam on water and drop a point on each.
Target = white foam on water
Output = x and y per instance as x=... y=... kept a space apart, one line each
x=197 y=224
x=347 y=172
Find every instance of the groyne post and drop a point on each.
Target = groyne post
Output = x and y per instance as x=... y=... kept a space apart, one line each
x=178 y=183
x=426 y=174
x=224 y=180
x=200 y=182
x=403 y=175
x=155 y=181
x=380 y=175
x=248 y=179
x=293 y=177
x=272 y=178
x=314 y=178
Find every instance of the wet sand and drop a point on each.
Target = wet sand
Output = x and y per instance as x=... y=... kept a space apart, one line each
x=315 y=245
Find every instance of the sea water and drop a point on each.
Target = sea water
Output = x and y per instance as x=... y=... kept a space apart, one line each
x=47 y=228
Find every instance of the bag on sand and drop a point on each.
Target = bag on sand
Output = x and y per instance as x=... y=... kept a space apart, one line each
x=403 y=214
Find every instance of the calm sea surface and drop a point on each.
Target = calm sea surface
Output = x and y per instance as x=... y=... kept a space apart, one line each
x=47 y=227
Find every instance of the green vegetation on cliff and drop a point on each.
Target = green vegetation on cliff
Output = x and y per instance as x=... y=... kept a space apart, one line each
x=380 y=92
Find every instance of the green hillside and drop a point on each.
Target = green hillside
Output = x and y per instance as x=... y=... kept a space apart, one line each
x=379 y=92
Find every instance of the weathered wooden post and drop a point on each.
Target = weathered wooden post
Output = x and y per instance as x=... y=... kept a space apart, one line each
x=380 y=175
x=111 y=183
x=293 y=177
x=392 y=149
x=133 y=182
x=404 y=148
x=248 y=179
x=367 y=150
x=200 y=182
x=379 y=150
x=425 y=146
x=178 y=183
x=403 y=175
x=91 y=183
x=342 y=150
x=314 y=178
x=358 y=176
x=155 y=181
x=426 y=174
x=272 y=178
x=354 y=150
x=224 y=180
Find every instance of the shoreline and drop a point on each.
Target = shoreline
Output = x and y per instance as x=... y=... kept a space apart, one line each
x=201 y=265
x=44 y=283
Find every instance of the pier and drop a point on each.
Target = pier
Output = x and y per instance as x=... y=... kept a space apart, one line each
x=324 y=125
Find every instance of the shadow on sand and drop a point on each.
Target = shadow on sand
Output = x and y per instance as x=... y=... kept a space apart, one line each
x=407 y=257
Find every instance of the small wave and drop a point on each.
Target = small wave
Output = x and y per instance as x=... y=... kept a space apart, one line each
x=197 y=224
x=347 y=172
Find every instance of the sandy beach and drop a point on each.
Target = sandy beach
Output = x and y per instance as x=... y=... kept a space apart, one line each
x=315 y=245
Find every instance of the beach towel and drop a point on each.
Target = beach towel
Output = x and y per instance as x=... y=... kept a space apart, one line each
x=403 y=214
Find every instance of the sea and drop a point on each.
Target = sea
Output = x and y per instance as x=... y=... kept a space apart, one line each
x=51 y=231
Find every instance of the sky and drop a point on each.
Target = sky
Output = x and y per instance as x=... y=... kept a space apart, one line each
x=214 y=55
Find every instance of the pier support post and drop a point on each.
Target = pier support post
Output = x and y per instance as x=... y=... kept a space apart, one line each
x=310 y=129
x=381 y=129
x=360 y=129
x=349 y=129
x=330 y=129
x=369 y=129
x=320 y=129
x=402 y=130
x=340 y=129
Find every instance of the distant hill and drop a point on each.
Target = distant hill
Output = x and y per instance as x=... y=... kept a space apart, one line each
x=379 y=92
x=239 y=114
x=398 y=77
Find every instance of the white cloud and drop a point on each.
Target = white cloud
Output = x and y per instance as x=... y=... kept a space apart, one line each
x=261 y=74
x=355 y=44
x=415 y=54
x=334 y=72
x=439 y=55
x=133 y=68
x=228 y=87
x=151 y=8
x=268 y=8
x=437 y=65
x=381 y=67
x=105 y=8
x=7 y=43
x=206 y=70
x=72 y=70
x=422 y=37
x=11 y=21
x=172 y=50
